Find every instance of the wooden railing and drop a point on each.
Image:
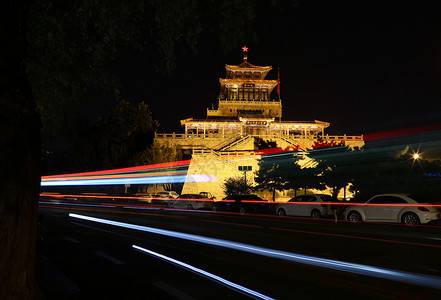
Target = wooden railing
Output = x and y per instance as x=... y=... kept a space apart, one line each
x=341 y=137
x=191 y=135
x=325 y=137
x=223 y=153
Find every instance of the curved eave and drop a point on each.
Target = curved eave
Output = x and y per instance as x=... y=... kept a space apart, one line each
x=299 y=124
x=247 y=67
x=324 y=124
x=208 y=121
x=266 y=83
x=308 y=124
x=189 y=120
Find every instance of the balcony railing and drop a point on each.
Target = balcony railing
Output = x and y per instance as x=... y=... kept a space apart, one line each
x=326 y=137
x=193 y=135
x=224 y=154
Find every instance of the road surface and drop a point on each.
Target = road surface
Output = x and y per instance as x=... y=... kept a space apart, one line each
x=179 y=254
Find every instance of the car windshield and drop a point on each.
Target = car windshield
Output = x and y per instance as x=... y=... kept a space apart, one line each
x=295 y=199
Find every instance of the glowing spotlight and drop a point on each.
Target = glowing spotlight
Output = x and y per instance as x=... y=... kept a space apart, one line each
x=416 y=156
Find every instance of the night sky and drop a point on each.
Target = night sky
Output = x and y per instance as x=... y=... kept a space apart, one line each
x=363 y=66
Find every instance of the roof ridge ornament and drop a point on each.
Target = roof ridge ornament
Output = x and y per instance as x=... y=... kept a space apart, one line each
x=245 y=53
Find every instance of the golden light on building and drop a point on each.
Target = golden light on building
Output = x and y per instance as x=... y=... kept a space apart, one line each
x=248 y=109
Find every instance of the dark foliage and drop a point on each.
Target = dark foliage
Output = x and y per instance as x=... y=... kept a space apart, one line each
x=237 y=186
x=114 y=142
x=277 y=172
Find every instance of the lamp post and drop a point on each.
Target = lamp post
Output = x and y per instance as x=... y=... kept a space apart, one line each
x=245 y=169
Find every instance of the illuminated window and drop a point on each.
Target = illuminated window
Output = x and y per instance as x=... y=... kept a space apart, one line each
x=232 y=94
x=248 y=93
x=256 y=94
x=264 y=94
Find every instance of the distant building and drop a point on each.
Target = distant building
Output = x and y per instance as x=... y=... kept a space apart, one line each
x=248 y=109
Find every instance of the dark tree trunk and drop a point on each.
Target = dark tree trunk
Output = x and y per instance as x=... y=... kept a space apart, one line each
x=274 y=193
x=20 y=156
x=20 y=153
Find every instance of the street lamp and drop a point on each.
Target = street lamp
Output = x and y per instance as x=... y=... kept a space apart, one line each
x=416 y=156
x=245 y=169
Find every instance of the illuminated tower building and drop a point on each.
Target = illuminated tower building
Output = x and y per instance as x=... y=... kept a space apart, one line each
x=248 y=109
x=245 y=105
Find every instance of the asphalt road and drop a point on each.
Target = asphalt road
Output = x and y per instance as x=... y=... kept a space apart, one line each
x=85 y=259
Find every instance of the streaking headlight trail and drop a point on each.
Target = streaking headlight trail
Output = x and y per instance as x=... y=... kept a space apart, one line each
x=137 y=180
x=204 y=273
x=406 y=277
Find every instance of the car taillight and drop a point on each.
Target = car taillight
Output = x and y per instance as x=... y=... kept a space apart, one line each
x=422 y=208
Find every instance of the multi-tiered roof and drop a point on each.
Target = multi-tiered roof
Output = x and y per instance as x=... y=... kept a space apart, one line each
x=247 y=105
x=249 y=108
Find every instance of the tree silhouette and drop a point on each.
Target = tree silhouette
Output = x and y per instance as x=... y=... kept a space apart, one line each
x=121 y=139
x=336 y=166
x=277 y=172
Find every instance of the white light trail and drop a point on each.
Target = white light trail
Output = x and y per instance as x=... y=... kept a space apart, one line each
x=137 y=180
x=205 y=273
x=400 y=276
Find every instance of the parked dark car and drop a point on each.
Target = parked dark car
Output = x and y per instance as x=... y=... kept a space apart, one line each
x=191 y=201
x=242 y=204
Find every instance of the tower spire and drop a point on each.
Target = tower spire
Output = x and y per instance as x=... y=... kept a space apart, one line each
x=245 y=53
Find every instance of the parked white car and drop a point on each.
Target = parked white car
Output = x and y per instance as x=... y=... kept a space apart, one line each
x=396 y=208
x=305 y=206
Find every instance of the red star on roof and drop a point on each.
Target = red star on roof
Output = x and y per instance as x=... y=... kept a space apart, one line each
x=245 y=49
